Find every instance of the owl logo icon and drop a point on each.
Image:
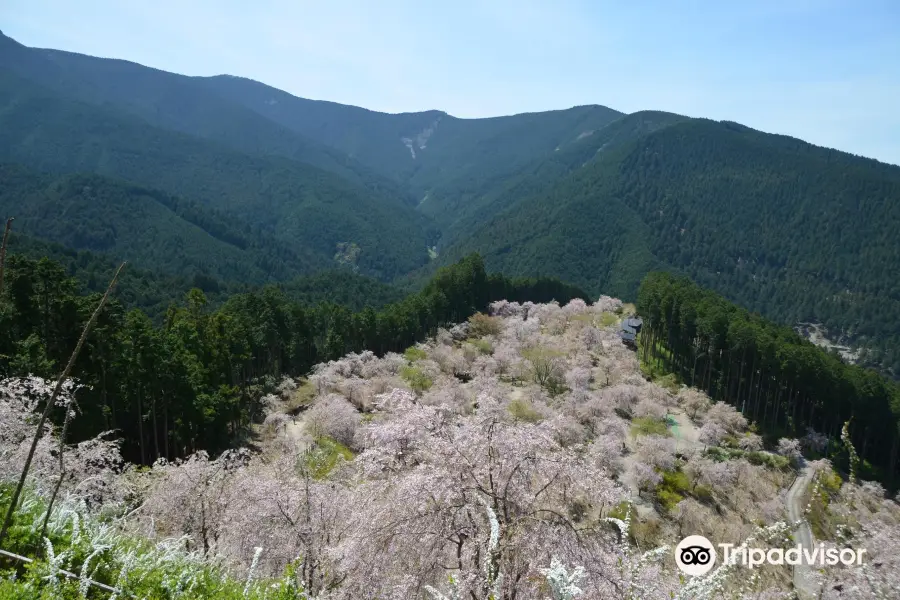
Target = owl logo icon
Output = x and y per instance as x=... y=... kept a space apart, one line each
x=695 y=555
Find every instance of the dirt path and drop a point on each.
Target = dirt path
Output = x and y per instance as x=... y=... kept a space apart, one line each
x=686 y=434
x=804 y=581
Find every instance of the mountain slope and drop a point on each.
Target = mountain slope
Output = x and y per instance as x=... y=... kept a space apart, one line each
x=795 y=231
x=431 y=151
x=174 y=102
x=151 y=229
x=309 y=210
x=463 y=213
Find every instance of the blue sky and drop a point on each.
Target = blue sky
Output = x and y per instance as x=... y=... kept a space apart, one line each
x=827 y=71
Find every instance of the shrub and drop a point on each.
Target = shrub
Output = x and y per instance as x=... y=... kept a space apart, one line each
x=649 y=426
x=481 y=325
x=766 y=459
x=418 y=381
x=722 y=454
x=790 y=449
x=668 y=499
x=482 y=345
x=139 y=568
x=672 y=489
x=703 y=493
x=525 y=410
x=546 y=367
x=414 y=353
x=620 y=511
x=334 y=417
x=647 y=533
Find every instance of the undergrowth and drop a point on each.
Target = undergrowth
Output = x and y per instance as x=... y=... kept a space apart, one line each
x=98 y=550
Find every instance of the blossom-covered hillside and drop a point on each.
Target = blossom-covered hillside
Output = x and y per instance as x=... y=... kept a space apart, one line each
x=521 y=455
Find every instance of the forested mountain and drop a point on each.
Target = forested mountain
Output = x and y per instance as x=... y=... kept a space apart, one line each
x=152 y=229
x=268 y=186
x=425 y=150
x=173 y=102
x=432 y=152
x=306 y=209
x=792 y=230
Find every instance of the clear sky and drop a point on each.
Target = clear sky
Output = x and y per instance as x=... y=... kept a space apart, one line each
x=827 y=71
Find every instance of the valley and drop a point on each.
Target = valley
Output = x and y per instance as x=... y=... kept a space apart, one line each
x=358 y=355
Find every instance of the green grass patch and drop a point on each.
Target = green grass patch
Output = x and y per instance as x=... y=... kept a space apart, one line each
x=608 y=319
x=649 y=426
x=620 y=510
x=669 y=382
x=324 y=455
x=719 y=454
x=302 y=397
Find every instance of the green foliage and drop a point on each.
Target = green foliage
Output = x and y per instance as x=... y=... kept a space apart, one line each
x=703 y=493
x=418 y=381
x=674 y=486
x=196 y=380
x=135 y=566
x=523 y=410
x=649 y=426
x=482 y=345
x=414 y=353
x=720 y=454
x=779 y=380
x=621 y=510
x=667 y=498
x=324 y=456
x=823 y=522
x=668 y=381
x=292 y=214
x=739 y=211
x=769 y=460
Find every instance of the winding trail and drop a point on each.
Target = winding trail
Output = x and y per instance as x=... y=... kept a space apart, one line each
x=804 y=575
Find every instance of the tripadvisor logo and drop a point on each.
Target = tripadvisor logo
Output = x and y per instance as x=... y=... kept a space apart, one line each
x=696 y=555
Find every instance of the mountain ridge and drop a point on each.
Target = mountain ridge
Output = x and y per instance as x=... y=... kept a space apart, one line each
x=587 y=193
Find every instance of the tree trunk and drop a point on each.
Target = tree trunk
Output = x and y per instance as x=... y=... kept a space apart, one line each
x=141 y=426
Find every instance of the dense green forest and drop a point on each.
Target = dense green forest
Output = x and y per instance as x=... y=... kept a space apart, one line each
x=307 y=210
x=224 y=182
x=195 y=381
x=773 y=376
x=796 y=232
x=153 y=229
x=153 y=291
